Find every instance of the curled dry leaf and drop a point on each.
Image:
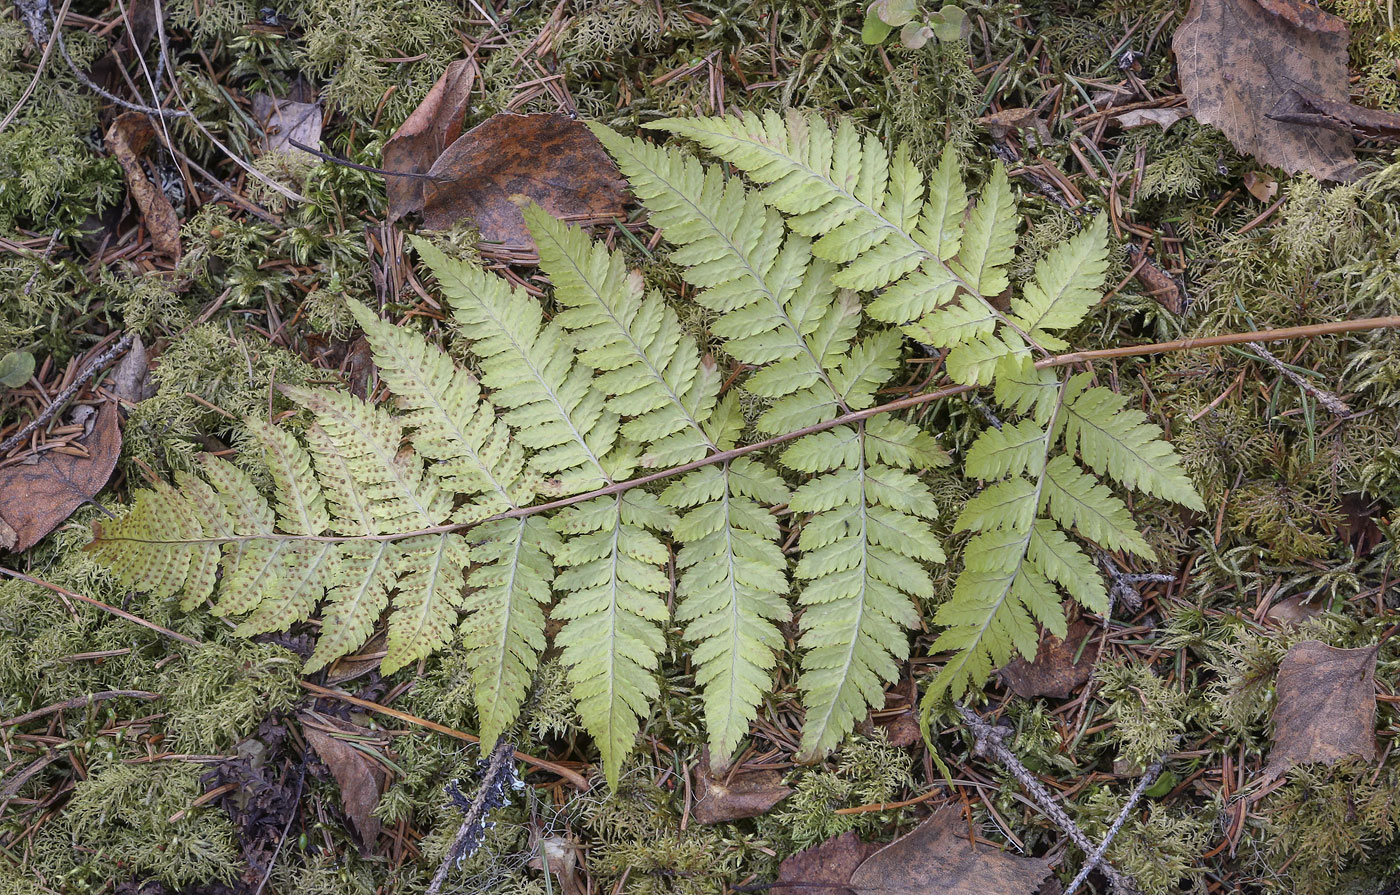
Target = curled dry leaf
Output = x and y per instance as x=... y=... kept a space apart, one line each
x=723 y=797
x=559 y=856
x=433 y=126
x=40 y=491
x=1303 y=106
x=1238 y=58
x=360 y=777
x=1060 y=666
x=1163 y=118
x=128 y=137
x=1325 y=706
x=937 y=857
x=1260 y=187
x=494 y=169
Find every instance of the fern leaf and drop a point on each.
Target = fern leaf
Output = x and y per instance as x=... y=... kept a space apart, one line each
x=429 y=594
x=612 y=581
x=990 y=236
x=1066 y=285
x=649 y=366
x=554 y=409
x=1120 y=443
x=733 y=583
x=301 y=507
x=355 y=599
x=503 y=631
x=1075 y=499
x=448 y=420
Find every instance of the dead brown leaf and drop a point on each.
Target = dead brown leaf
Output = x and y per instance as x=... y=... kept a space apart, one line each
x=131 y=380
x=1325 y=706
x=1293 y=610
x=1260 y=187
x=433 y=126
x=937 y=857
x=284 y=121
x=1163 y=118
x=560 y=856
x=824 y=869
x=128 y=137
x=1007 y=121
x=1238 y=58
x=40 y=491
x=740 y=794
x=491 y=171
x=1055 y=671
x=360 y=777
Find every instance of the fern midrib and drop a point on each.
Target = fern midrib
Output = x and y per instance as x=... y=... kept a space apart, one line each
x=503 y=642
x=637 y=348
x=887 y=224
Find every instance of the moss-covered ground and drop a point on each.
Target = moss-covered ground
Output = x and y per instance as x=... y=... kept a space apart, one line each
x=1301 y=502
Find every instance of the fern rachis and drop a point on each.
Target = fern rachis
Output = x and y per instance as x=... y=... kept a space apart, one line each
x=442 y=510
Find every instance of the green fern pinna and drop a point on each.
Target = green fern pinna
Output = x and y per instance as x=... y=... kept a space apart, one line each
x=818 y=272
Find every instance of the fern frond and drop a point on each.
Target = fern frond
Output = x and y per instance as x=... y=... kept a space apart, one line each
x=1065 y=286
x=613 y=582
x=529 y=365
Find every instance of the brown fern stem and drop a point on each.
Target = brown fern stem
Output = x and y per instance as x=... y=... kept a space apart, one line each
x=1060 y=360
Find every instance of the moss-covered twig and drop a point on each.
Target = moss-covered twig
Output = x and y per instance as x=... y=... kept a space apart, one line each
x=497 y=776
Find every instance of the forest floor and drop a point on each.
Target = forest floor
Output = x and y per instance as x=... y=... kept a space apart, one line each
x=1229 y=726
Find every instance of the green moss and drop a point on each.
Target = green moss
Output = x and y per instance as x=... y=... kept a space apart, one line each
x=868 y=770
x=218 y=693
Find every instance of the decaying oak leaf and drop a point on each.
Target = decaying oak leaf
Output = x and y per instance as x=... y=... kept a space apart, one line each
x=1060 y=666
x=128 y=137
x=735 y=795
x=41 y=490
x=824 y=869
x=433 y=126
x=508 y=160
x=360 y=777
x=1325 y=706
x=937 y=857
x=1238 y=58
x=285 y=121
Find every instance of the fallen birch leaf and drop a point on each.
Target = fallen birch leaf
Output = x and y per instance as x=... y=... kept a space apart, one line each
x=40 y=491
x=1163 y=118
x=284 y=121
x=824 y=869
x=128 y=137
x=736 y=795
x=1060 y=666
x=360 y=777
x=433 y=126
x=491 y=171
x=1260 y=187
x=937 y=857
x=1238 y=58
x=1325 y=706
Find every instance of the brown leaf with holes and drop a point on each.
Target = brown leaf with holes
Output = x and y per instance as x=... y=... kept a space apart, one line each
x=41 y=490
x=433 y=126
x=360 y=777
x=824 y=869
x=1325 y=706
x=937 y=857
x=1060 y=666
x=491 y=171
x=1238 y=58
x=128 y=137
x=735 y=795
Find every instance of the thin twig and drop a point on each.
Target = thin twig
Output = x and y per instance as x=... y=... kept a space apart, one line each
x=1334 y=404
x=574 y=777
x=78 y=702
x=988 y=739
x=43 y=60
x=110 y=97
x=346 y=163
x=1063 y=360
x=473 y=827
x=1096 y=857
x=119 y=613
x=88 y=371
